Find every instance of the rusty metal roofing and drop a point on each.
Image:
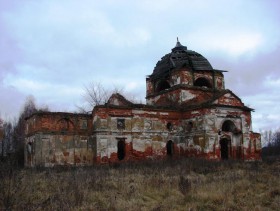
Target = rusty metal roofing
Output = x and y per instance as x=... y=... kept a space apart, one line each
x=180 y=56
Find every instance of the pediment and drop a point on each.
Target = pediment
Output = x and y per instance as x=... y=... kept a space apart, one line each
x=118 y=100
x=229 y=99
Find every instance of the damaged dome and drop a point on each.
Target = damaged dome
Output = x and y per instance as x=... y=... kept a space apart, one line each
x=180 y=57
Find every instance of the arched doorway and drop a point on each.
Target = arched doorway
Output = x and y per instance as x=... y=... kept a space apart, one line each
x=225 y=147
x=121 y=149
x=169 y=148
x=228 y=126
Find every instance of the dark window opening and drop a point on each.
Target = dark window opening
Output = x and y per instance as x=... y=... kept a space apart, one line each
x=169 y=126
x=121 y=149
x=189 y=126
x=225 y=148
x=121 y=124
x=162 y=85
x=169 y=148
x=202 y=82
x=228 y=126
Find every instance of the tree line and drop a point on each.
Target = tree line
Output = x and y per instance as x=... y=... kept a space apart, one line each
x=12 y=133
x=271 y=144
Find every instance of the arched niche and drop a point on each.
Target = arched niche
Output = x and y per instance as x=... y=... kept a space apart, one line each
x=64 y=124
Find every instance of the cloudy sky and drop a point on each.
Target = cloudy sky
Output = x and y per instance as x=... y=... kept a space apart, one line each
x=51 y=49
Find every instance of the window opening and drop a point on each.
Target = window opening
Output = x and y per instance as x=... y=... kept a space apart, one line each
x=202 y=82
x=121 y=124
x=169 y=126
x=189 y=126
x=162 y=85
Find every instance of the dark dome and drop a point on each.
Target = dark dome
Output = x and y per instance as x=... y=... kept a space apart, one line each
x=179 y=57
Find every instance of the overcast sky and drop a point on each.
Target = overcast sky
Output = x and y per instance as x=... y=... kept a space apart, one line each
x=51 y=49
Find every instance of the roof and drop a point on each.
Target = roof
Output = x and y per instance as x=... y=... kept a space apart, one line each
x=118 y=99
x=66 y=114
x=180 y=56
x=209 y=101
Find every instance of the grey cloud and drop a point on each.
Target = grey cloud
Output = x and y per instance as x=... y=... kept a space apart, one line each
x=69 y=43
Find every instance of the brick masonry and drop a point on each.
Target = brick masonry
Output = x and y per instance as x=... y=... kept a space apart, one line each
x=188 y=113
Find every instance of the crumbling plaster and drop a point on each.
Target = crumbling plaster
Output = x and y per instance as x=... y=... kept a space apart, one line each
x=188 y=112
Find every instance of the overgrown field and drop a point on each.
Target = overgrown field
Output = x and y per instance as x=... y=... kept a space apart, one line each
x=186 y=184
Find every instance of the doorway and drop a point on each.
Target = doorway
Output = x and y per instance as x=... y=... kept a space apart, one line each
x=121 y=149
x=225 y=148
x=170 y=148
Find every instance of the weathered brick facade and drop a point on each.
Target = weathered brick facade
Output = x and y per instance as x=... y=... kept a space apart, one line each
x=188 y=113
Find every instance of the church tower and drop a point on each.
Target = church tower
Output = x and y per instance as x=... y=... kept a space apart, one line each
x=182 y=77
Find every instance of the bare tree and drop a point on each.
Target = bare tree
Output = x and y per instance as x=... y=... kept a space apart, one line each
x=2 y=136
x=7 y=142
x=272 y=145
x=19 y=131
x=96 y=94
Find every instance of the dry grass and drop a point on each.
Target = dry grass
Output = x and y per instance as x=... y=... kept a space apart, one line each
x=186 y=184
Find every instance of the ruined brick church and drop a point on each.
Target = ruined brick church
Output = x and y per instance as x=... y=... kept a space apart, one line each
x=188 y=113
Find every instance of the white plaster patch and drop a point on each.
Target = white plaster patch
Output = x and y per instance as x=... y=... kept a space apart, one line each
x=102 y=147
x=186 y=95
x=157 y=98
x=158 y=146
x=138 y=112
x=138 y=145
x=147 y=124
x=115 y=102
x=182 y=145
x=149 y=102
x=229 y=95
x=210 y=146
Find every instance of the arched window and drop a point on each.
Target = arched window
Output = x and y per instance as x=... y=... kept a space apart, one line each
x=228 y=126
x=63 y=124
x=202 y=82
x=162 y=85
